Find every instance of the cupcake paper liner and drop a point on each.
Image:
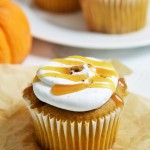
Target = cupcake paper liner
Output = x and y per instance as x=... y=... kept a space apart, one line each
x=115 y=16
x=59 y=5
x=54 y=134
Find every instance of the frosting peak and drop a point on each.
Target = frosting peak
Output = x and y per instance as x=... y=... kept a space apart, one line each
x=75 y=83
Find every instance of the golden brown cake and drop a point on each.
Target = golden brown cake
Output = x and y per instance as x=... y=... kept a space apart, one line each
x=59 y=5
x=60 y=118
x=115 y=16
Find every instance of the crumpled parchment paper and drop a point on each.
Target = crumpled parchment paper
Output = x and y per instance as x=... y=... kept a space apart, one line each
x=17 y=130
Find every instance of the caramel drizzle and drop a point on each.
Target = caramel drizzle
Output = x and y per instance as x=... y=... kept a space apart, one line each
x=106 y=73
x=117 y=99
x=82 y=60
x=63 y=70
x=103 y=71
x=75 y=78
x=36 y=79
x=93 y=62
x=60 y=89
x=68 y=62
x=123 y=83
x=101 y=80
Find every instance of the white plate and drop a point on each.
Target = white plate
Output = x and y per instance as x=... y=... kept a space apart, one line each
x=70 y=30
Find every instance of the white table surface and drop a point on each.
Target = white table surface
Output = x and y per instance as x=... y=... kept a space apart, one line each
x=137 y=59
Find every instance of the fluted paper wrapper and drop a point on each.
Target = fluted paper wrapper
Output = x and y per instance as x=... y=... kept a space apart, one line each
x=59 y=134
x=16 y=125
x=115 y=16
x=59 y=5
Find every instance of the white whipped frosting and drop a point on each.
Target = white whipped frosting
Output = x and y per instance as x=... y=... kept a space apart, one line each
x=83 y=100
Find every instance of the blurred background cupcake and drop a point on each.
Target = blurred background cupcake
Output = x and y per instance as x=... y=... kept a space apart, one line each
x=59 y=5
x=115 y=16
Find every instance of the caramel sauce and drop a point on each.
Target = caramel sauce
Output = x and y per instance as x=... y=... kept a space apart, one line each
x=36 y=79
x=59 y=89
x=75 y=78
x=68 y=62
x=123 y=83
x=117 y=99
x=58 y=69
x=103 y=80
x=105 y=72
x=93 y=62
x=102 y=73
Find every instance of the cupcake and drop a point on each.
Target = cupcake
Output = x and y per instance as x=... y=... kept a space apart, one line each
x=76 y=103
x=115 y=16
x=59 y=5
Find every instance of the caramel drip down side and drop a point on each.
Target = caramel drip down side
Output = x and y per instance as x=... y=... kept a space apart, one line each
x=36 y=79
x=122 y=83
x=117 y=99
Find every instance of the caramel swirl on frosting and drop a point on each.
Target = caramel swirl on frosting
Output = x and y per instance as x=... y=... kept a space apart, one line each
x=74 y=77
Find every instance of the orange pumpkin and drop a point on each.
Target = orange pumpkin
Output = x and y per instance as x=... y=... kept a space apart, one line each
x=15 y=36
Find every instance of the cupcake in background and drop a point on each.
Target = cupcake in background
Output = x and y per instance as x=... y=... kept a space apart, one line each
x=59 y=6
x=76 y=103
x=115 y=16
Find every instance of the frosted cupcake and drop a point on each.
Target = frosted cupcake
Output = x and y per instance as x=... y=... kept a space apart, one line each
x=75 y=103
x=115 y=16
x=59 y=5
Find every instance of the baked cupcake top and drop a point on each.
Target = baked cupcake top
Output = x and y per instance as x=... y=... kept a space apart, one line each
x=76 y=83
